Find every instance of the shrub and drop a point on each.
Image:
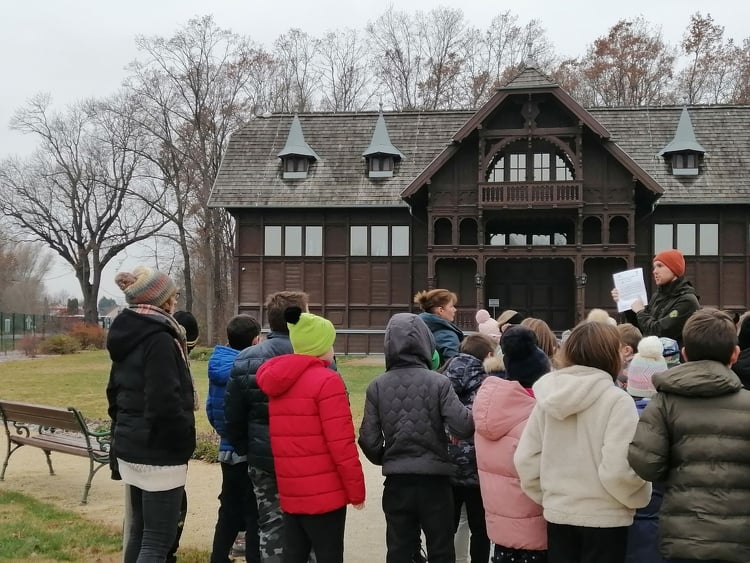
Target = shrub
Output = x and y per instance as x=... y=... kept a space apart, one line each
x=88 y=336
x=206 y=446
x=29 y=345
x=60 y=344
x=201 y=353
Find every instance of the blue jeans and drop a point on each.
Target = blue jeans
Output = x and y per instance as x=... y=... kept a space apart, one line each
x=153 y=524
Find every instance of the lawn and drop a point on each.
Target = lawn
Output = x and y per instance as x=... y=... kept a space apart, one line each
x=80 y=380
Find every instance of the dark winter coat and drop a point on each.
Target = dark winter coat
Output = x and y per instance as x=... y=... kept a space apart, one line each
x=694 y=437
x=246 y=406
x=447 y=336
x=312 y=435
x=219 y=368
x=742 y=368
x=669 y=309
x=409 y=406
x=150 y=392
x=466 y=374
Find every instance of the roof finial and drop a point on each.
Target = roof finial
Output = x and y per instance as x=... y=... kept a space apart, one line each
x=529 y=54
x=380 y=106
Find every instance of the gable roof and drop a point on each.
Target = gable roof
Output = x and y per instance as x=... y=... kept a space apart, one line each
x=250 y=174
x=684 y=138
x=295 y=142
x=724 y=130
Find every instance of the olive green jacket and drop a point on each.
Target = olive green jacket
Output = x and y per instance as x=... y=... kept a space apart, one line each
x=669 y=309
x=694 y=436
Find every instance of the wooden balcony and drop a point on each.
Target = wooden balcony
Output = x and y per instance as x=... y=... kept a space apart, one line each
x=534 y=195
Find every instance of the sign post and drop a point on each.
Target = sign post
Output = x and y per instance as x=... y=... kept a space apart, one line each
x=493 y=304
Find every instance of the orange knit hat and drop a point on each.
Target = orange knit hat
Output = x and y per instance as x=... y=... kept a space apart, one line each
x=672 y=259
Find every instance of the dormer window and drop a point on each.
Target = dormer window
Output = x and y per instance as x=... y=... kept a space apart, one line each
x=381 y=166
x=295 y=167
x=685 y=164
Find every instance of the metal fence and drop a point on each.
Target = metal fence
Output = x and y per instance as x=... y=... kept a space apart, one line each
x=14 y=327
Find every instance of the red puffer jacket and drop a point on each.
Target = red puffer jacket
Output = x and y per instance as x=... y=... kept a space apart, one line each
x=312 y=435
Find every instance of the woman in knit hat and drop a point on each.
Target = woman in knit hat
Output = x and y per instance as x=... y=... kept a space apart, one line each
x=501 y=408
x=151 y=403
x=672 y=303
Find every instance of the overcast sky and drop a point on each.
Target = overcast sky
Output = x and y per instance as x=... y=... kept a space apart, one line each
x=74 y=49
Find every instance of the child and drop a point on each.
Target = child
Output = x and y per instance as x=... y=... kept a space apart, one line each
x=466 y=373
x=514 y=522
x=237 y=508
x=403 y=429
x=572 y=456
x=630 y=336
x=312 y=438
x=694 y=437
x=487 y=325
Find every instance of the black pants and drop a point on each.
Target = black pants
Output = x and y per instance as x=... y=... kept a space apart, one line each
x=323 y=533
x=579 y=544
x=413 y=503
x=472 y=497
x=237 y=511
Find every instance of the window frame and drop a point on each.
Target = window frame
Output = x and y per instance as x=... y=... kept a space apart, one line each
x=384 y=249
x=284 y=236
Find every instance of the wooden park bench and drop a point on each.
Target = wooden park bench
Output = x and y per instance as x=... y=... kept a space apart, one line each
x=54 y=429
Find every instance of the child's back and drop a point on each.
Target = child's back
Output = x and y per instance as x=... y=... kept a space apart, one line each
x=694 y=436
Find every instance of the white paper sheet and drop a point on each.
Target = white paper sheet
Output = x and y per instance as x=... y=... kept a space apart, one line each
x=631 y=286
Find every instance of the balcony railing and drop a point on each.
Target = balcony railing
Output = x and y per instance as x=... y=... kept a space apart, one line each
x=531 y=194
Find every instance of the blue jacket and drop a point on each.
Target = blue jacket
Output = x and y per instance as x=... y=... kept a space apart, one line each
x=447 y=336
x=219 y=368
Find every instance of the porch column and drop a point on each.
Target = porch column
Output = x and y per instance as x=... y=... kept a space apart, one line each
x=580 y=280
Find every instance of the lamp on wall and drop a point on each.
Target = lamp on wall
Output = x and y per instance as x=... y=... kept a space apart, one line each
x=478 y=279
x=581 y=280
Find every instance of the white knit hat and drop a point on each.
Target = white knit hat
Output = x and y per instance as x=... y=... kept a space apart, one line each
x=644 y=365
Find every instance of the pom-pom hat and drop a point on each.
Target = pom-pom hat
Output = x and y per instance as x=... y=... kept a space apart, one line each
x=644 y=365
x=146 y=286
x=672 y=259
x=524 y=361
x=309 y=334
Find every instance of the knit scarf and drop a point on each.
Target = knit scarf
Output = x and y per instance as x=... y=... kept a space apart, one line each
x=180 y=340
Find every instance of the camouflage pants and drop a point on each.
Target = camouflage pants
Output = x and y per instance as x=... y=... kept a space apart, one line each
x=270 y=520
x=270 y=523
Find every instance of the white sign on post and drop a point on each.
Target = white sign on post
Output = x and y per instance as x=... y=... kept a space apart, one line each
x=494 y=302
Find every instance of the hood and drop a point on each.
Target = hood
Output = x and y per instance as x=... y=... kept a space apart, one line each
x=277 y=375
x=678 y=286
x=220 y=364
x=500 y=406
x=435 y=322
x=571 y=390
x=129 y=329
x=408 y=342
x=703 y=378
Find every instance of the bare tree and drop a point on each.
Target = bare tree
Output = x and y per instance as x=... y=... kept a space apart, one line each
x=631 y=65
x=297 y=78
x=22 y=270
x=344 y=75
x=77 y=192
x=705 y=79
x=741 y=77
x=194 y=88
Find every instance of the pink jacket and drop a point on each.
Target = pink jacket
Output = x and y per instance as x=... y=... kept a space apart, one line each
x=500 y=410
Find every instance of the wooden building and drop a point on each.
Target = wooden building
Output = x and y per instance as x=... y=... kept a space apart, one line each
x=530 y=203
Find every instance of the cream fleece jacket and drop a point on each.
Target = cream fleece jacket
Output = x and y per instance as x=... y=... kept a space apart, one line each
x=573 y=454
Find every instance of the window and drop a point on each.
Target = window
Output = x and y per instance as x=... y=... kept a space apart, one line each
x=685 y=164
x=292 y=239
x=562 y=172
x=541 y=167
x=517 y=168
x=295 y=167
x=381 y=166
x=379 y=240
x=497 y=173
x=688 y=238
x=545 y=167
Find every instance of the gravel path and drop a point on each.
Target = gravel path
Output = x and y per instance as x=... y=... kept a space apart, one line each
x=27 y=473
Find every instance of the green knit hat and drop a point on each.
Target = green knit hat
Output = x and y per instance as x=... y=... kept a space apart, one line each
x=310 y=334
x=146 y=286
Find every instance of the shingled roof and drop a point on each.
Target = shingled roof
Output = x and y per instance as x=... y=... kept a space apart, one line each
x=251 y=175
x=724 y=131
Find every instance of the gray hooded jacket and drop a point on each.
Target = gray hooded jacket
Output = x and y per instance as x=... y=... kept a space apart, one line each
x=408 y=407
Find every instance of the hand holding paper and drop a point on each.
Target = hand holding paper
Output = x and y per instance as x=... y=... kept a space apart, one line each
x=630 y=287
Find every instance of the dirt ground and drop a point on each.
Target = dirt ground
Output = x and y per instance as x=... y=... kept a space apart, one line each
x=27 y=473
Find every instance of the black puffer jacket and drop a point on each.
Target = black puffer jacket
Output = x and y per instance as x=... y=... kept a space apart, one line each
x=669 y=309
x=246 y=406
x=742 y=368
x=408 y=407
x=694 y=437
x=150 y=392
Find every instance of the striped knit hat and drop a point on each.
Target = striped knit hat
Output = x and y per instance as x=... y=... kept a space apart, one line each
x=146 y=286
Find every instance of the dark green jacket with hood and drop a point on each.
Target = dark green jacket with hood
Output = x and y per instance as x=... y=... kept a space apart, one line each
x=409 y=406
x=669 y=309
x=694 y=436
